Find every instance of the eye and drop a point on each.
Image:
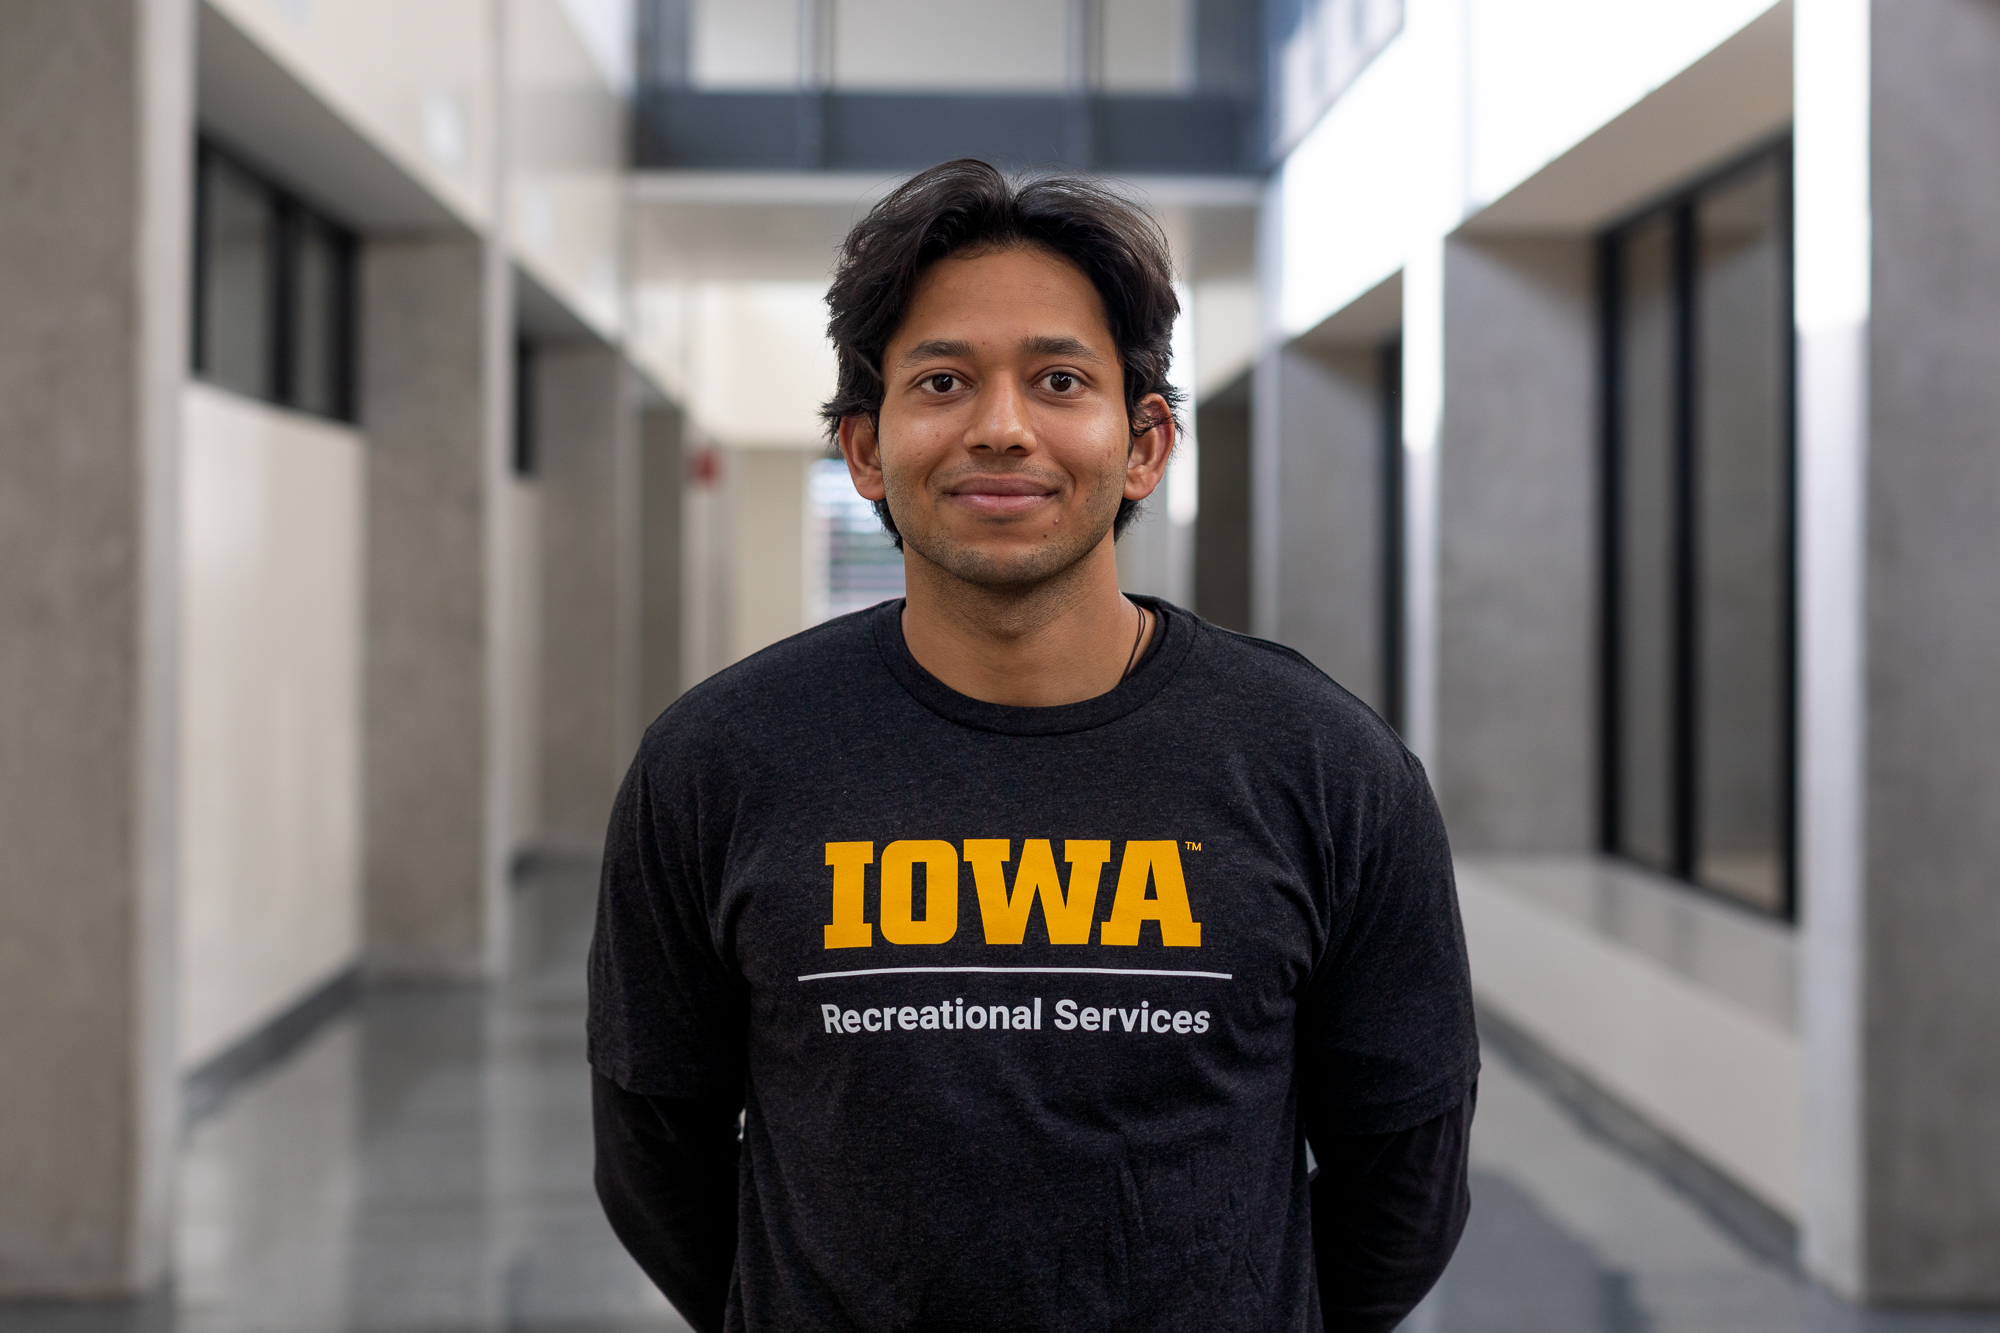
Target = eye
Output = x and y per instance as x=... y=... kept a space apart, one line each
x=940 y=382
x=1060 y=381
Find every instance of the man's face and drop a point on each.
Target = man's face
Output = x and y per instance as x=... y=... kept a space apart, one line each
x=1004 y=445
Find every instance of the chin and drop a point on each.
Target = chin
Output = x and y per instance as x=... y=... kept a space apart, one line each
x=1004 y=568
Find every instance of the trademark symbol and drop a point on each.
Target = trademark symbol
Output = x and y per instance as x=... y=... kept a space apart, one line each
x=1194 y=846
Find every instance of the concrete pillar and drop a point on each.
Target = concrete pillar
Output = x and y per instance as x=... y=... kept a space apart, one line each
x=1222 y=528
x=436 y=352
x=95 y=98
x=1330 y=511
x=661 y=470
x=1517 y=548
x=1899 y=313
x=587 y=427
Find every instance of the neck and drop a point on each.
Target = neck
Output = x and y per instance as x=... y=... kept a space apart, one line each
x=1060 y=641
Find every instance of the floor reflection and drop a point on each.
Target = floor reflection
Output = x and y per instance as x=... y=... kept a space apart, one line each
x=424 y=1164
x=1569 y=1235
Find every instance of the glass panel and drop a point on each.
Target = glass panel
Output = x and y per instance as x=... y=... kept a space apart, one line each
x=1022 y=46
x=856 y=564
x=1645 y=536
x=1146 y=46
x=238 y=234
x=744 y=43
x=317 y=353
x=1741 y=432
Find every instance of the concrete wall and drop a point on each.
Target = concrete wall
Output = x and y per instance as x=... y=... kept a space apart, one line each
x=661 y=468
x=1930 y=1048
x=436 y=478
x=96 y=98
x=1222 y=528
x=270 y=773
x=584 y=426
x=1517 y=554
x=1329 y=517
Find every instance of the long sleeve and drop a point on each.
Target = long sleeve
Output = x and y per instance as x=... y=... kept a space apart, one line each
x=1388 y=1210
x=666 y=1175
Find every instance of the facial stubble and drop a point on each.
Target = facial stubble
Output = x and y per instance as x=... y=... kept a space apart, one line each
x=1066 y=547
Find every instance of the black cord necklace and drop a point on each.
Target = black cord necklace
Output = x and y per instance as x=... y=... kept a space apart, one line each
x=1138 y=637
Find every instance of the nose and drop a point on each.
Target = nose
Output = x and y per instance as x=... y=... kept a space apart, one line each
x=1000 y=420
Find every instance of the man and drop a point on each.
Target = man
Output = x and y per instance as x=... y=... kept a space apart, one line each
x=1033 y=929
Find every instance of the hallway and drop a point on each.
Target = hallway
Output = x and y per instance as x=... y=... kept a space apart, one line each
x=424 y=1163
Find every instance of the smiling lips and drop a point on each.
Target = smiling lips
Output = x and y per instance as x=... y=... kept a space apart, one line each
x=1000 y=496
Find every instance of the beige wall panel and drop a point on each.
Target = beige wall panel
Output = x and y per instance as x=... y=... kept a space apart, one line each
x=270 y=712
x=767 y=546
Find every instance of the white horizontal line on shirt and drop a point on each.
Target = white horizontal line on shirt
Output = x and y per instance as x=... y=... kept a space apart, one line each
x=1096 y=971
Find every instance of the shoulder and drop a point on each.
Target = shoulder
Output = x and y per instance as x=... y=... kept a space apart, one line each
x=789 y=685
x=1276 y=696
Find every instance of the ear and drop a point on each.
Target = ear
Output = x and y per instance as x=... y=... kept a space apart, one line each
x=862 y=449
x=1146 y=462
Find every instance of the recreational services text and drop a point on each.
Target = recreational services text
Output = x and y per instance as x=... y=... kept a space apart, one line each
x=956 y=1015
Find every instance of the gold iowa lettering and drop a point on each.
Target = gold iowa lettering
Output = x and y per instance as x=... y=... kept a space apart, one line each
x=1150 y=887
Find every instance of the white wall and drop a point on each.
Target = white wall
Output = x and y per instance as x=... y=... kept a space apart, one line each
x=417 y=80
x=271 y=568
x=1720 y=1077
x=498 y=110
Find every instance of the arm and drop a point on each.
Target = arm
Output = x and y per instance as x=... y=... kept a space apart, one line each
x=666 y=1175
x=1387 y=1210
x=666 y=1028
x=1388 y=1063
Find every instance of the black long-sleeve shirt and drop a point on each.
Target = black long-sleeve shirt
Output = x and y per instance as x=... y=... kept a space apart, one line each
x=1387 y=1209
x=1023 y=1008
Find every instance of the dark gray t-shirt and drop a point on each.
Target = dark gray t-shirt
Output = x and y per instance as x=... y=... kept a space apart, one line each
x=1022 y=1001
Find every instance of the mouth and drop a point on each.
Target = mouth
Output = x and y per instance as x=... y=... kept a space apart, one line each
x=998 y=496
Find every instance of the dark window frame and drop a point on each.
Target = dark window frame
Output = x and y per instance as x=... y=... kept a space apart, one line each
x=527 y=440
x=1393 y=625
x=1680 y=204
x=289 y=216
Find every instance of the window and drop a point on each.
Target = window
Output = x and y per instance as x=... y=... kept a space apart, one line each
x=274 y=292
x=1316 y=49
x=855 y=563
x=1698 y=544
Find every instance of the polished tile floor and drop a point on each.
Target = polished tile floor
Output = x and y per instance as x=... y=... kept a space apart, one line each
x=424 y=1164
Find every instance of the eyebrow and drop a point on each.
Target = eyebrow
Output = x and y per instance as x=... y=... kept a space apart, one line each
x=1058 y=345
x=934 y=349
x=1044 y=344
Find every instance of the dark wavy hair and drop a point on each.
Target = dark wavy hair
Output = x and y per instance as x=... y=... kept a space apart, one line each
x=968 y=205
